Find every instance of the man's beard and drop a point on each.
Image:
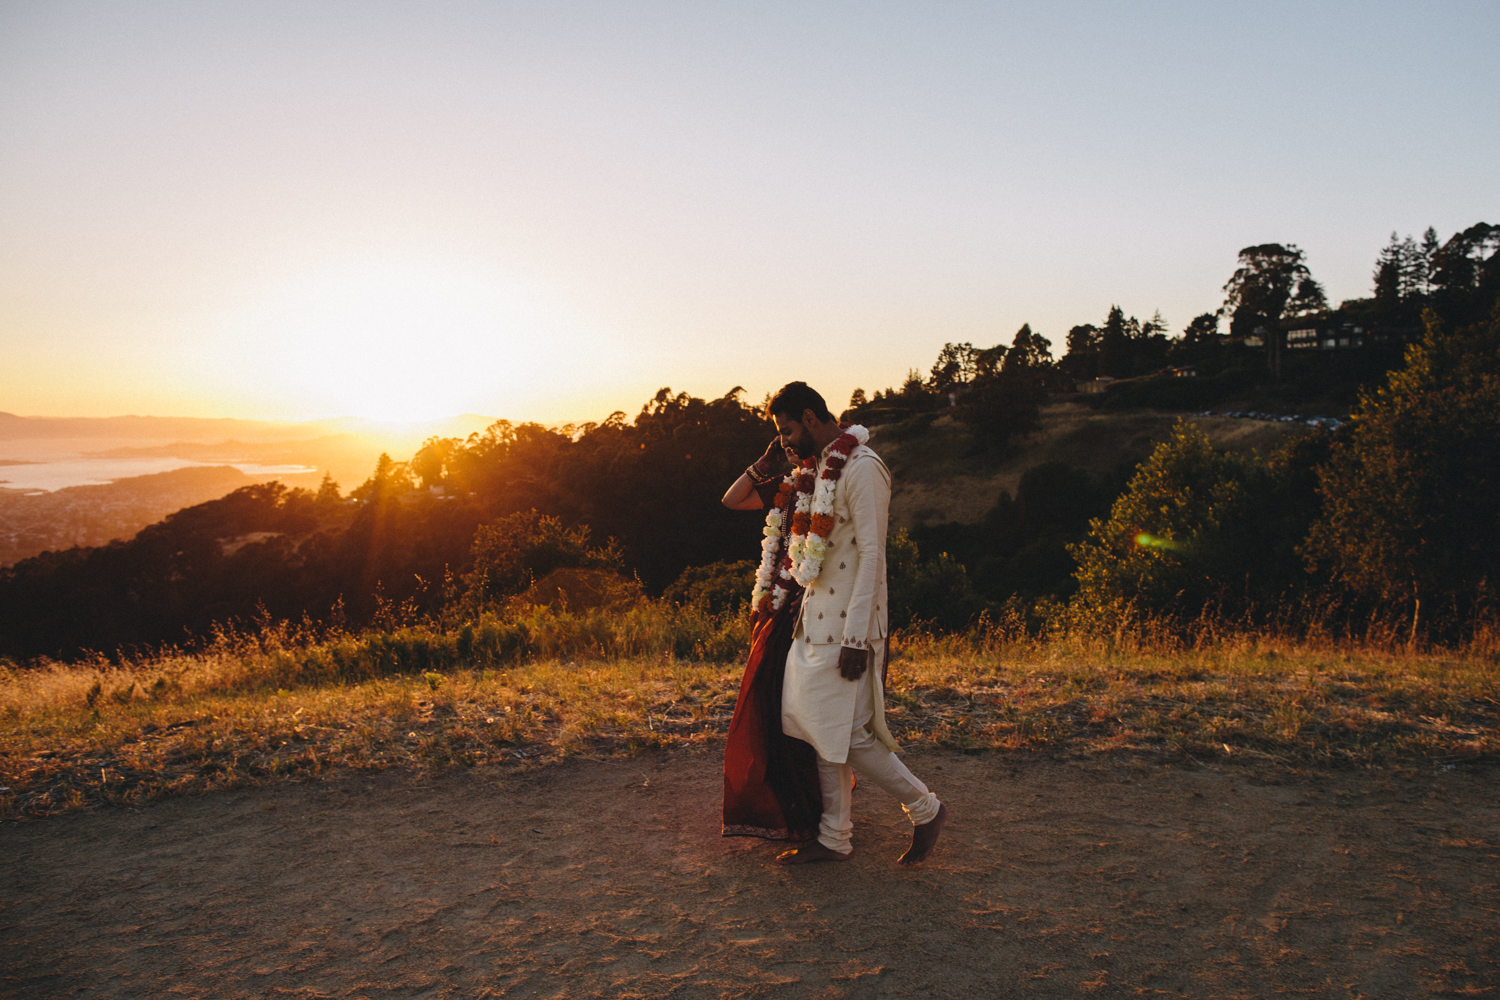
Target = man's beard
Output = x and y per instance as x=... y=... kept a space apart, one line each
x=804 y=447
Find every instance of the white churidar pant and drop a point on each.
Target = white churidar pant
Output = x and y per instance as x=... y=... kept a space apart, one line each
x=839 y=718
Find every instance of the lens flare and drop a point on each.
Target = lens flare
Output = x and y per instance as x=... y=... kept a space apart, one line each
x=1146 y=541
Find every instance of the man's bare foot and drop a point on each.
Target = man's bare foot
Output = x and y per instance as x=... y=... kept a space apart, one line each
x=924 y=838
x=808 y=853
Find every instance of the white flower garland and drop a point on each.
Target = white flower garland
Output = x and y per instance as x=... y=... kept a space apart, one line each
x=769 y=545
x=805 y=550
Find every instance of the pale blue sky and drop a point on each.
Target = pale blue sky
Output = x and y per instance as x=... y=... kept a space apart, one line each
x=547 y=211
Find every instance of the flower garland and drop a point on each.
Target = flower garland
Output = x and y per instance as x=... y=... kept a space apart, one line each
x=812 y=523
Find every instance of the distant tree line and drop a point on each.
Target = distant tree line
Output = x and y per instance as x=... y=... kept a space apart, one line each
x=997 y=390
x=647 y=489
x=1393 y=518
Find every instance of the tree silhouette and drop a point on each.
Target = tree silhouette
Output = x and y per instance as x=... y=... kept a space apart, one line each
x=1271 y=284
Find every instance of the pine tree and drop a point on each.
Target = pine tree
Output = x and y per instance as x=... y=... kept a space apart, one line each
x=328 y=491
x=1388 y=274
x=1413 y=270
x=1429 y=251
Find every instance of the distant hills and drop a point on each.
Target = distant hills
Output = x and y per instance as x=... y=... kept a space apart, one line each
x=34 y=522
x=345 y=448
x=209 y=429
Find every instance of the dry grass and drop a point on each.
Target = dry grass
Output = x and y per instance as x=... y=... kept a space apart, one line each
x=1248 y=697
x=279 y=706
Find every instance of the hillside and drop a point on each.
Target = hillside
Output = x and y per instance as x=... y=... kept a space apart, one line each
x=32 y=522
x=936 y=480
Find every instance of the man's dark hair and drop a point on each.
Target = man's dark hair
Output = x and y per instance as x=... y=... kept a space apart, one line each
x=794 y=397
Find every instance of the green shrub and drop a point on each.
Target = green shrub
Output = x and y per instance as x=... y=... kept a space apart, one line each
x=1195 y=526
x=1411 y=509
x=935 y=592
x=718 y=588
x=513 y=552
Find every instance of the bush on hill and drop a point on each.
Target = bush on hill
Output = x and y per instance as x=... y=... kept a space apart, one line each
x=935 y=592
x=1410 y=499
x=1020 y=546
x=1197 y=526
x=718 y=588
x=511 y=553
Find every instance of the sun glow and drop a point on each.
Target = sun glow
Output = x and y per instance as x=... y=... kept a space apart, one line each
x=399 y=343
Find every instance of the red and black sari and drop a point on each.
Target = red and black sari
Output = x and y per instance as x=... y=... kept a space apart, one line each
x=770 y=779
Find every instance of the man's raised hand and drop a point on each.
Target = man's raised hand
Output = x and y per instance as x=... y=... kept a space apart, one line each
x=852 y=662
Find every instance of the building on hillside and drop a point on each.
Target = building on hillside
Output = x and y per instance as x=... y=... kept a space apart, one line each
x=1344 y=337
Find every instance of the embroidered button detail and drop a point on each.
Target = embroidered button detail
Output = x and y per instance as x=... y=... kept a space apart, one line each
x=820 y=614
x=841 y=565
x=830 y=590
x=830 y=638
x=843 y=614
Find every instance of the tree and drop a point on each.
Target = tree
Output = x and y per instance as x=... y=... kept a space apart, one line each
x=328 y=492
x=987 y=363
x=1156 y=326
x=1465 y=274
x=1388 y=276
x=1307 y=300
x=390 y=478
x=858 y=399
x=1006 y=403
x=1403 y=277
x=1081 y=361
x=1195 y=525
x=1411 y=516
x=1270 y=278
x=1030 y=353
x=955 y=366
x=431 y=462
x=1203 y=329
x=1428 y=251
x=914 y=394
x=513 y=552
x=1129 y=347
x=1114 y=345
x=934 y=591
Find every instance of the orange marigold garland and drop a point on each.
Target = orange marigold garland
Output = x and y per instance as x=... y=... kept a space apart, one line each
x=811 y=524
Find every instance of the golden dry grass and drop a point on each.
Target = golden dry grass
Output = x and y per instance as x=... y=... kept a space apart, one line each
x=268 y=708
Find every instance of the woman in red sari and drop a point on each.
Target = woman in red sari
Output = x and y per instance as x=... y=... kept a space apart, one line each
x=770 y=779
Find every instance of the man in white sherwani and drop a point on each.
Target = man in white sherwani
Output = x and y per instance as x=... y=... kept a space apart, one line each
x=832 y=695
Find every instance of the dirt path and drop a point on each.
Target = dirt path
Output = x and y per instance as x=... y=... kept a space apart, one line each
x=609 y=879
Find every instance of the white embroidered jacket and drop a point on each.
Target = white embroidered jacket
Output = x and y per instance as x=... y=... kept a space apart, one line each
x=847 y=602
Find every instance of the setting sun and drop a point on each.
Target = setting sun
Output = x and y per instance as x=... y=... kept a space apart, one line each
x=396 y=341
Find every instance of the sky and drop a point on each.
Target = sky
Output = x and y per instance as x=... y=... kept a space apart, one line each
x=547 y=211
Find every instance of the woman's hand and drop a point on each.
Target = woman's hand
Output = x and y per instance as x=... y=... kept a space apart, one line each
x=771 y=460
